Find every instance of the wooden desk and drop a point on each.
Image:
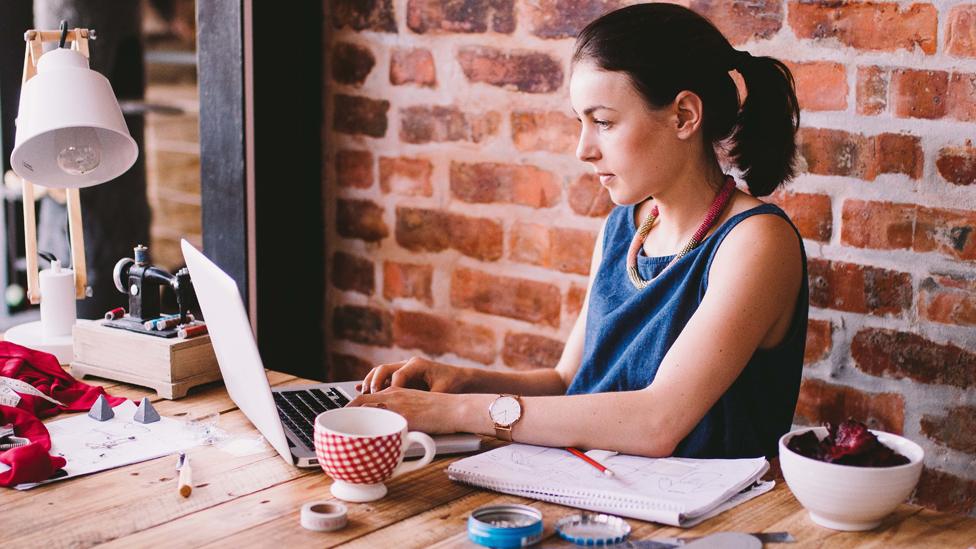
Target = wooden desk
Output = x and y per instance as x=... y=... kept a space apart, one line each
x=254 y=501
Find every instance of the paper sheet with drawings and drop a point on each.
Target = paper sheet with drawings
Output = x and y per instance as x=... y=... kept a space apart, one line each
x=675 y=491
x=89 y=445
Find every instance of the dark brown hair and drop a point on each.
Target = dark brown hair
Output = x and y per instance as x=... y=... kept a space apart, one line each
x=666 y=49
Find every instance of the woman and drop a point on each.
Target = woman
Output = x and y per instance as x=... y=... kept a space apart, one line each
x=691 y=337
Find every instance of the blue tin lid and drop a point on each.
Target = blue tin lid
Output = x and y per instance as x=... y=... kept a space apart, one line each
x=505 y=526
x=593 y=529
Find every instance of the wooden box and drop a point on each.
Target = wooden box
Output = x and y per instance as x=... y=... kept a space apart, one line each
x=170 y=366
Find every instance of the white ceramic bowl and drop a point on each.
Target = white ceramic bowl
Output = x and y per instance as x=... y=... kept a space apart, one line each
x=845 y=497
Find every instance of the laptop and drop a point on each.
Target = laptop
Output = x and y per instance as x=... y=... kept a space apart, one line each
x=284 y=415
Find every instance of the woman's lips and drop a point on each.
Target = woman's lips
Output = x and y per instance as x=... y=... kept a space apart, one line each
x=605 y=178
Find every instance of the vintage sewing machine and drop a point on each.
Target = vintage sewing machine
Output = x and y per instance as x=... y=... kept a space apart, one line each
x=168 y=353
x=143 y=282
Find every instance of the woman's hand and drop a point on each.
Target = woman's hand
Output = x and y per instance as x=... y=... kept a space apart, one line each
x=432 y=413
x=416 y=373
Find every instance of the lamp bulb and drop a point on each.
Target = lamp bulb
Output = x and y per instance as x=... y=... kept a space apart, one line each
x=79 y=150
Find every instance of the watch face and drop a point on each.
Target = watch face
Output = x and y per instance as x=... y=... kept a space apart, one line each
x=505 y=411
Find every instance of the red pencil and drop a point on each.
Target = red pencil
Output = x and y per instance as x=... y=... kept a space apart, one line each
x=590 y=460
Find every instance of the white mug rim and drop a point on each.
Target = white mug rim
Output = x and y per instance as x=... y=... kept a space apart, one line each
x=402 y=421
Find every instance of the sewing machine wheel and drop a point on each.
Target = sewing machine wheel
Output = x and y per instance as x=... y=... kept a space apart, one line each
x=120 y=270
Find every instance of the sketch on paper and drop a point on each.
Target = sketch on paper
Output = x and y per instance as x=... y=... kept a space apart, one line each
x=88 y=445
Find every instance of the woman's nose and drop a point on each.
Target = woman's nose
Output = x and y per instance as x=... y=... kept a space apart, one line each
x=586 y=149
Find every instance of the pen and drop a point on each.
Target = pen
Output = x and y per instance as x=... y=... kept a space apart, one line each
x=183 y=466
x=590 y=460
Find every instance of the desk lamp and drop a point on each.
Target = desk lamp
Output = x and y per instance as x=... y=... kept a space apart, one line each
x=71 y=135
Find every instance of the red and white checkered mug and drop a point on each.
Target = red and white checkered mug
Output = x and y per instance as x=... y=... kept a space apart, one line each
x=362 y=447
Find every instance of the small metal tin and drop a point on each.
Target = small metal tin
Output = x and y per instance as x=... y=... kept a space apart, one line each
x=505 y=526
x=593 y=529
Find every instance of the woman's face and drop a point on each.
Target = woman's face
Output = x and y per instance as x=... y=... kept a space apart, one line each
x=633 y=149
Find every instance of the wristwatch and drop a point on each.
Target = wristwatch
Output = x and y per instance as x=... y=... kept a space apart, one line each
x=505 y=411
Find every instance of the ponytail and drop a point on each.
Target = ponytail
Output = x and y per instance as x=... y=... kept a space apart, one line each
x=666 y=48
x=764 y=142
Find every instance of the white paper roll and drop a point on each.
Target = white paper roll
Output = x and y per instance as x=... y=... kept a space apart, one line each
x=57 y=301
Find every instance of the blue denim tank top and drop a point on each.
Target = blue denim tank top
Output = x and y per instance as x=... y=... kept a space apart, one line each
x=628 y=332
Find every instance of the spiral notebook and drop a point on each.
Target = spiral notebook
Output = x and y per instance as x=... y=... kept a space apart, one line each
x=676 y=491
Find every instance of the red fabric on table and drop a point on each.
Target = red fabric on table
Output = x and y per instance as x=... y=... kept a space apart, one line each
x=32 y=463
x=43 y=371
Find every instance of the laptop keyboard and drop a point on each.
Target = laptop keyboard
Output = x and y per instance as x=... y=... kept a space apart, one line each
x=297 y=409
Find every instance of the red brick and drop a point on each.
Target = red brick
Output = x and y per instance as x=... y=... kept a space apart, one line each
x=881 y=26
x=575 y=297
x=949 y=299
x=588 y=197
x=530 y=351
x=350 y=272
x=962 y=97
x=858 y=288
x=437 y=335
x=899 y=355
x=878 y=225
x=960 y=31
x=544 y=131
x=945 y=492
x=360 y=219
x=529 y=243
x=898 y=153
x=571 y=250
x=957 y=165
x=367 y=325
x=956 y=429
x=470 y=16
x=413 y=66
x=565 y=18
x=872 y=90
x=919 y=93
x=406 y=176
x=820 y=86
x=525 y=71
x=360 y=115
x=488 y=182
x=566 y=250
x=810 y=213
x=351 y=63
x=528 y=300
x=949 y=232
x=374 y=15
x=436 y=230
x=407 y=280
x=354 y=169
x=821 y=402
x=820 y=335
x=741 y=22
x=348 y=367
x=836 y=152
x=425 y=124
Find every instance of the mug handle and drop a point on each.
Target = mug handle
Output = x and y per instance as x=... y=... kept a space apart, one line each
x=430 y=448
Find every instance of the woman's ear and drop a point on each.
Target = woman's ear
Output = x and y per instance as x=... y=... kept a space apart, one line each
x=687 y=114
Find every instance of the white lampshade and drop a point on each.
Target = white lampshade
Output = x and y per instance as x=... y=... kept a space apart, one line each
x=70 y=129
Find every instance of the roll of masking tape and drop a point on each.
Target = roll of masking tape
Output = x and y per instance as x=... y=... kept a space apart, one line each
x=323 y=516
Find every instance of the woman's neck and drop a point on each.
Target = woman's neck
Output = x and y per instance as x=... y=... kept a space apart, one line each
x=682 y=207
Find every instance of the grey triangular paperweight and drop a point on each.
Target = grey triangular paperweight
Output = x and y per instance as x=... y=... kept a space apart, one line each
x=101 y=410
x=146 y=413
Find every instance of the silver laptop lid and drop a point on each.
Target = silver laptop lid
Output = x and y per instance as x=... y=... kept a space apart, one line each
x=233 y=343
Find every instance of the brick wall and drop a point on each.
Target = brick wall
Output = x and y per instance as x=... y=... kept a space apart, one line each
x=461 y=224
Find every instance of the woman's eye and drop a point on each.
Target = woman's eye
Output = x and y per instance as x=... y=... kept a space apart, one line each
x=602 y=123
